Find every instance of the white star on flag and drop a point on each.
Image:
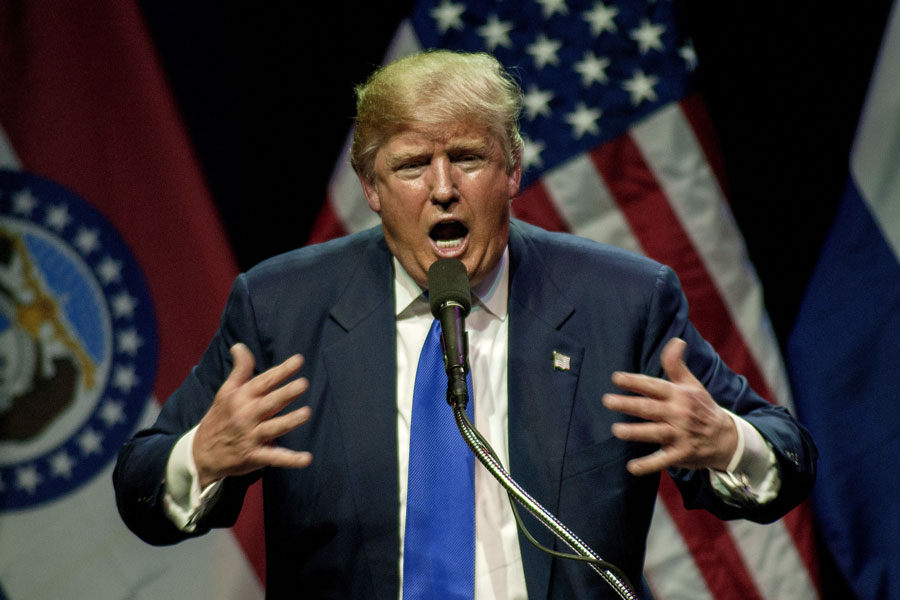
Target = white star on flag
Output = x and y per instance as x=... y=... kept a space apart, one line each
x=61 y=465
x=90 y=442
x=124 y=378
x=87 y=240
x=24 y=202
x=448 y=15
x=536 y=102
x=601 y=18
x=647 y=35
x=496 y=33
x=109 y=270
x=112 y=412
x=129 y=341
x=123 y=305
x=57 y=217
x=544 y=51
x=689 y=56
x=640 y=86
x=583 y=120
x=551 y=7
x=531 y=153
x=592 y=69
x=28 y=479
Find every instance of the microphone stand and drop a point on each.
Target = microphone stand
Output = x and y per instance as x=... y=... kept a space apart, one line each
x=485 y=455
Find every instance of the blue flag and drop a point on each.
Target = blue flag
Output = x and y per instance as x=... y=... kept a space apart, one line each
x=844 y=351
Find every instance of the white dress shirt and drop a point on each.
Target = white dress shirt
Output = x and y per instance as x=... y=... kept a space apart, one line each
x=498 y=562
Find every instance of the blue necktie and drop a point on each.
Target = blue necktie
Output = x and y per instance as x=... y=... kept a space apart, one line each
x=439 y=543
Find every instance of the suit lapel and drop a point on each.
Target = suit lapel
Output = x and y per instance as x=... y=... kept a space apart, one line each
x=361 y=363
x=541 y=394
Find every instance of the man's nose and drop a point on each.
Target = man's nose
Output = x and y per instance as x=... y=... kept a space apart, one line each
x=443 y=187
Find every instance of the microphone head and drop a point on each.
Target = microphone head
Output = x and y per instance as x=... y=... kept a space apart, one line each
x=448 y=282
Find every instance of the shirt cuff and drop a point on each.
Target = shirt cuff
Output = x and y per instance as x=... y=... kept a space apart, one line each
x=184 y=501
x=752 y=475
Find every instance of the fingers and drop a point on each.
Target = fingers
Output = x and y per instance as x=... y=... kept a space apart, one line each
x=267 y=386
x=652 y=463
x=652 y=387
x=672 y=360
x=280 y=397
x=636 y=406
x=274 y=377
x=278 y=426
x=650 y=433
x=235 y=435
x=678 y=415
x=242 y=369
x=276 y=456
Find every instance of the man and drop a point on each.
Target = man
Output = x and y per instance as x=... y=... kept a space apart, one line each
x=560 y=326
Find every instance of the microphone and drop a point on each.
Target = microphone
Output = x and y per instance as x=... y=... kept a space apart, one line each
x=448 y=293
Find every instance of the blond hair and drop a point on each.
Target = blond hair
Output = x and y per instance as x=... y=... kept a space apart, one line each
x=436 y=87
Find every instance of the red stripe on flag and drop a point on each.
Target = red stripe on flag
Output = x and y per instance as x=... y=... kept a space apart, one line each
x=250 y=529
x=799 y=524
x=327 y=225
x=662 y=237
x=694 y=109
x=712 y=547
x=535 y=206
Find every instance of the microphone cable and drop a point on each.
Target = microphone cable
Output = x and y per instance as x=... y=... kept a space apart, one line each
x=482 y=449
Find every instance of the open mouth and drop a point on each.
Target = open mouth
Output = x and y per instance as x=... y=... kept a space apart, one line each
x=448 y=235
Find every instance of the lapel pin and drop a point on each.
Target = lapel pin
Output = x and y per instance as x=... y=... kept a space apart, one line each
x=561 y=362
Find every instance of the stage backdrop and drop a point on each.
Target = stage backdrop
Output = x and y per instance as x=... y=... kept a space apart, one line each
x=114 y=267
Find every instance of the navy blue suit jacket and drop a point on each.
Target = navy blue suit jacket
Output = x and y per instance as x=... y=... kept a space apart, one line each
x=332 y=529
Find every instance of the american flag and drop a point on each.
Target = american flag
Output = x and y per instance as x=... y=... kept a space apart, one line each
x=618 y=148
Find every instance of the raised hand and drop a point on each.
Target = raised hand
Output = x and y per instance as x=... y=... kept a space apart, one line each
x=235 y=435
x=681 y=417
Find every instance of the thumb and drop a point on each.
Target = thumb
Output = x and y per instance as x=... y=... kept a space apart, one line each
x=242 y=370
x=672 y=359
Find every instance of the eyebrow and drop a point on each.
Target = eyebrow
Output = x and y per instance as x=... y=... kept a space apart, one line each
x=396 y=158
x=472 y=145
x=466 y=145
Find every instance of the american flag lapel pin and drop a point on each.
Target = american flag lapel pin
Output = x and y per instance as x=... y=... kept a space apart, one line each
x=561 y=362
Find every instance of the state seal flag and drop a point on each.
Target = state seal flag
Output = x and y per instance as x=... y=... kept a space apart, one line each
x=113 y=269
x=844 y=347
x=618 y=148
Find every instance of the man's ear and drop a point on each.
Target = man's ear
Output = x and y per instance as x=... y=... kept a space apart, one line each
x=514 y=179
x=371 y=193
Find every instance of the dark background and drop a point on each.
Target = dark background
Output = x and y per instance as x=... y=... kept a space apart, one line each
x=265 y=89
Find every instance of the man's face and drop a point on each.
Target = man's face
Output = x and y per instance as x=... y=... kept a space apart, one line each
x=443 y=191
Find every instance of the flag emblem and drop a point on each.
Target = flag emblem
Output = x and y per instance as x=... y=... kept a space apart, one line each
x=77 y=341
x=561 y=362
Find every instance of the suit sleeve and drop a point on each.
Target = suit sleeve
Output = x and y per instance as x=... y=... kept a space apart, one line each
x=794 y=449
x=139 y=475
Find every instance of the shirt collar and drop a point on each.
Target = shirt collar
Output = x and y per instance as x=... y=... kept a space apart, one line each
x=492 y=294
